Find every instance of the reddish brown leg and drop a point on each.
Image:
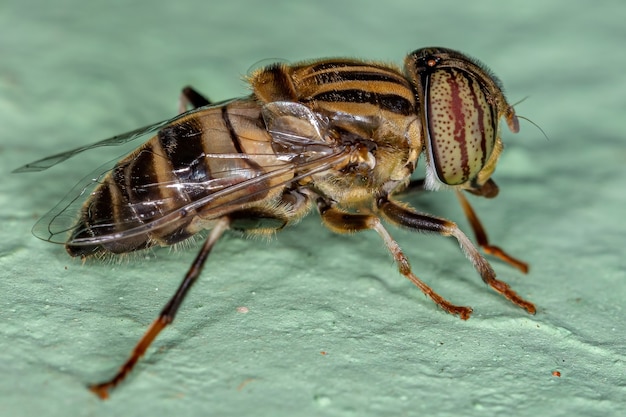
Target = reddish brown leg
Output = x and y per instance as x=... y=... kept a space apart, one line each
x=167 y=314
x=427 y=223
x=490 y=190
x=344 y=222
x=483 y=240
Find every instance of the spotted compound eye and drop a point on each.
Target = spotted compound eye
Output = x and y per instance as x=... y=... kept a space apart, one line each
x=461 y=126
x=461 y=104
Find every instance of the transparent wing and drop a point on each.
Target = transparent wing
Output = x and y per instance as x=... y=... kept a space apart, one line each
x=291 y=143
x=52 y=160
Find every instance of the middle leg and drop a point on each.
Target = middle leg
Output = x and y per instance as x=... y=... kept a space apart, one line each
x=343 y=222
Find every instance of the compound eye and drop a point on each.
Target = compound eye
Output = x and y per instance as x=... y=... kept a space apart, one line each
x=461 y=124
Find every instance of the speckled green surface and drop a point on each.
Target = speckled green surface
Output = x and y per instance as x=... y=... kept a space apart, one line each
x=72 y=72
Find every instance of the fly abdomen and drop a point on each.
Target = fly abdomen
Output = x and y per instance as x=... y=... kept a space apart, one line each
x=159 y=178
x=129 y=197
x=157 y=194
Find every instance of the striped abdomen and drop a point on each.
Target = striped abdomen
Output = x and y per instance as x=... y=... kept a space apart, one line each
x=188 y=160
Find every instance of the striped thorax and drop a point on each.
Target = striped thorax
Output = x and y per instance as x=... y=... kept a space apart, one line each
x=363 y=99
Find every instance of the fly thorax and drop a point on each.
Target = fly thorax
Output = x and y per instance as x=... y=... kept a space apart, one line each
x=400 y=144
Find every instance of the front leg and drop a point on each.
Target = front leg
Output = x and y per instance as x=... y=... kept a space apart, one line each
x=483 y=240
x=489 y=190
x=426 y=223
x=343 y=222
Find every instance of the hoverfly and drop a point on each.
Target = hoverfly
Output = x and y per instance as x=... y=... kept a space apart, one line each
x=340 y=135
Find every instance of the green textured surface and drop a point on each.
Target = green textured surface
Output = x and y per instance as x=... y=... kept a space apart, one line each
x=72 y=72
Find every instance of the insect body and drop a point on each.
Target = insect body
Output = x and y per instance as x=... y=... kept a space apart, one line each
x=343 y=136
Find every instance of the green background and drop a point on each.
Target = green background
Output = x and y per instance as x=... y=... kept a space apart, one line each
x=73 y=71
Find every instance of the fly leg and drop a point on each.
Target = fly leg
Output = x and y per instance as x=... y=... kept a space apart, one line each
x=167 y=314
x=189 y=96
x=426 y=223
x=344 y=222
x=489 y=191
x=483 y=240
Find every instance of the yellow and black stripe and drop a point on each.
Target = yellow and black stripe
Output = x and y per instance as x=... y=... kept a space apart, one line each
x=361 y=89
x=176 y=167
